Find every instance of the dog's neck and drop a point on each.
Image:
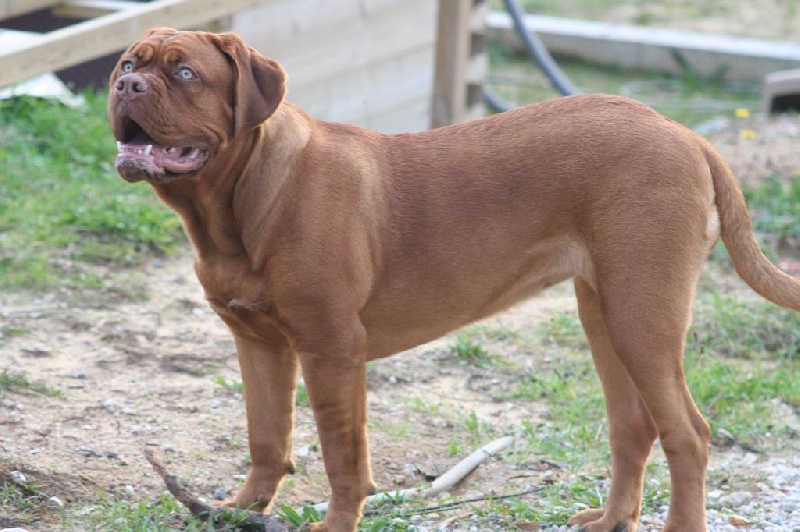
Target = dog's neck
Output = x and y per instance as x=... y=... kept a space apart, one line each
x=219 y=206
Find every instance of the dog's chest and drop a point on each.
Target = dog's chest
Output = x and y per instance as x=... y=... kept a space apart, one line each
x=238 y=295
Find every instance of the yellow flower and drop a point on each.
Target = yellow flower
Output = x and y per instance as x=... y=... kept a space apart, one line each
x=748 y=133
x=742 y=112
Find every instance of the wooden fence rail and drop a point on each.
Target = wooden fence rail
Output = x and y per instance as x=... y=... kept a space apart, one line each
x=25 y=54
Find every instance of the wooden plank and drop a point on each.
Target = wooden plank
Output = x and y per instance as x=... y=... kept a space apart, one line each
x=12 y=8
x=371 y=91
x=92 y=8
x=92 y=38
x=452 y=52
x=10 y=38
x=349 y=46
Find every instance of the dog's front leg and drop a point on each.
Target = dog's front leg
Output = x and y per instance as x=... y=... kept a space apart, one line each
x=269 y=375
x=336 y=383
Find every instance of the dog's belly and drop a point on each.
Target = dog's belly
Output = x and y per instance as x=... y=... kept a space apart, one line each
x=423 y=310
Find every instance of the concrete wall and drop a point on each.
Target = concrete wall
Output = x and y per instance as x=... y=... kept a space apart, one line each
x=364 y=62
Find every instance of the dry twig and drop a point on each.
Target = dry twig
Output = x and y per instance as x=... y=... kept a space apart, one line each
x=244 y=519
x=250 y=520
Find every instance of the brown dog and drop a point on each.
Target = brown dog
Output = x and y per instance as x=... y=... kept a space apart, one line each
x=329 y=245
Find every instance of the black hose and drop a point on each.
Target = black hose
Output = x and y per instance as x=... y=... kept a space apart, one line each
x=539 y=53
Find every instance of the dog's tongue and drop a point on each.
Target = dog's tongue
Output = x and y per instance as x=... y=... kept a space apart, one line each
x=137 y=161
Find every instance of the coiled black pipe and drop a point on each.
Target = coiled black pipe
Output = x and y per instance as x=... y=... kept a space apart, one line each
x=540 y=55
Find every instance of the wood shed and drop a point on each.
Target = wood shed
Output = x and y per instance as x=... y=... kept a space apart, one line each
x=374 y=63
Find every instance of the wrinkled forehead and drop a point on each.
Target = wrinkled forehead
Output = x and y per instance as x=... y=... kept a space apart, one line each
x=170 y=46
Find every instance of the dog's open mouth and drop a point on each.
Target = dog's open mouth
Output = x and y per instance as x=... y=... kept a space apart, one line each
x=141 y=157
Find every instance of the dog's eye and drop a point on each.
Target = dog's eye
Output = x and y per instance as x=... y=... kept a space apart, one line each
x=186 y=73
x=127 y=67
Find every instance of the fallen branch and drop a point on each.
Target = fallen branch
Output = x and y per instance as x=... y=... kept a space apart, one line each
x=245 y=519
x=445 y=482
x=250 y=520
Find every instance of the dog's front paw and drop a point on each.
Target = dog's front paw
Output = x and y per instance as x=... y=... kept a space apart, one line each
x=595 y=520
x=247 y=499
x=336 y=522
x=256 y=506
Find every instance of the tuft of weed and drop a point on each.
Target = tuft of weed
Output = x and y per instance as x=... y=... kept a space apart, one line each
x=472 y=351
x=230 y=385
x=565 y=330
x=22 y=501
x=19 y=383
x=308 y=514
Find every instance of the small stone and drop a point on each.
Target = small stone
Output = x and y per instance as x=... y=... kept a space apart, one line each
x=130 y=490
x=736 y=499
x=35 y=451
x=19 y=477
x=168 y=448
x=409 y=469
x=220 y=494
x=55 y=500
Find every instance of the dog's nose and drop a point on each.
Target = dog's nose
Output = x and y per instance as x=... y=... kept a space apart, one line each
x=131 y=85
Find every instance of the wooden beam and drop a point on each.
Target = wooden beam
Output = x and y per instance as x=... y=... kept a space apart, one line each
x=92 y=8
x=450 y=62
x=92 y=38
x=12 y=8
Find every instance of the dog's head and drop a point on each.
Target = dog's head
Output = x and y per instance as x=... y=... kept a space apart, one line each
x=177 y=98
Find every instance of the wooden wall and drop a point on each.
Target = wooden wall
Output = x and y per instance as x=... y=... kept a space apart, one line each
x=364 y=62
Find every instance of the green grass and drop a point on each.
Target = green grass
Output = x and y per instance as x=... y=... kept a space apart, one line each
x=19 y=384
x=775 y=209
x=63 y=204
x=689 y=98
x=471 y=350
x=163 y=514
x=741 y=357
x=23 y=501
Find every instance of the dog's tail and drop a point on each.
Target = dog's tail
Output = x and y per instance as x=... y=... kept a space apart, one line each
x=737 y=233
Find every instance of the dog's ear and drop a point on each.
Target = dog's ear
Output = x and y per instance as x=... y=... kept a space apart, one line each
x=260 y=83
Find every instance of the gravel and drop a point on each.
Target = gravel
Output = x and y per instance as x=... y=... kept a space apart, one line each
x=769 y=501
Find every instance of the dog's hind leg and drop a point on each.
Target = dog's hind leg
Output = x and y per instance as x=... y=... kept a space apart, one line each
x=632 y=431
x=647 y=310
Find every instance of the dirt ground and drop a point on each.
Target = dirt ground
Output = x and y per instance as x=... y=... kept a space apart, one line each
x=137 y=366
x=139 y=374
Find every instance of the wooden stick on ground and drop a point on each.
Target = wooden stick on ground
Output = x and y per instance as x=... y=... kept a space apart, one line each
x=446 y=481
x=246 y=519
x=257 y=521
